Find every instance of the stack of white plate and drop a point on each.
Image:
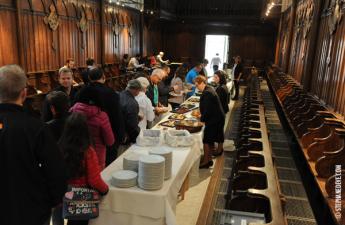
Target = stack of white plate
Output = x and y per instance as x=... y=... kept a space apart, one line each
x=124 y=178
x=151 y=172
x=131 y=162
x=167 y=154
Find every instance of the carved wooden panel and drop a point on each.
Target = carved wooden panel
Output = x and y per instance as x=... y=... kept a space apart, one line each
x=284 y=38
x=301 y=38
x=53 y=31
x=328 y=81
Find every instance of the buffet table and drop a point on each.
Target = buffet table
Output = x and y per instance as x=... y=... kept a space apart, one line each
x=134 y=206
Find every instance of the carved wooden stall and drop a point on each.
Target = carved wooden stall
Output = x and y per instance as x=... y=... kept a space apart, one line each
x=320 y=135
x=253 y=182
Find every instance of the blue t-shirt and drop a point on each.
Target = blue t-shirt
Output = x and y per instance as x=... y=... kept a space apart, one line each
x=191 y=75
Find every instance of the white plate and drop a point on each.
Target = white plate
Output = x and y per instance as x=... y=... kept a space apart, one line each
x=124 y=175
x=151 y=159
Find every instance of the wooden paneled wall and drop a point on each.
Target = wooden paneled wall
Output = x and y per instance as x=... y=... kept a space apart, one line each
x=284 y=36
x=27 y=39
x=328 y=81
x=317 y=57
x=304 y=32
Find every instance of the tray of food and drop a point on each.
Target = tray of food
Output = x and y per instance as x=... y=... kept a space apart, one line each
x=192 y=126
x=193 y=99
x=181 y=110
x=168 y=123
x=177 y=116
x=196 y=113
x=189 y=105
x=184 y=108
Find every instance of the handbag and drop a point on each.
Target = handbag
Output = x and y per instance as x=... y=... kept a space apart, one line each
x=80 y=203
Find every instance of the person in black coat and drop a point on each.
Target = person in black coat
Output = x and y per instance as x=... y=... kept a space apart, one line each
x=90 y=63
x=59 y=105
x=219 y=78
x=110 y=103
x=130 y=110
x=164 y=87
x=237 y=72
x=213 y=116
x=32 y=168
x=65 y=85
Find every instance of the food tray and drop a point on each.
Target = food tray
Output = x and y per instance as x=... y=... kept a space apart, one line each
x=181 y=110
x=188 y=105
x=193 y=99
x=168 y=123
x=192 y=127
x=177 y=116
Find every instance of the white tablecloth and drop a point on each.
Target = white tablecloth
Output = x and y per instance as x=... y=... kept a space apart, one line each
x=134 y=206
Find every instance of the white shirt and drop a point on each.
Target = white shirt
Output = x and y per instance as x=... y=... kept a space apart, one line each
x=216 y=61
x=145 y=109
x=133 y=63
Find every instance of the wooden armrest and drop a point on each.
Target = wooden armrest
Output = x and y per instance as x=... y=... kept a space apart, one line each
x=340 y=131
x=334 y=121
x=325 y=113
x=322 y=139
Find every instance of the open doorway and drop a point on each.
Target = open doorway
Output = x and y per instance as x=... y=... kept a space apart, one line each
x=216 y=44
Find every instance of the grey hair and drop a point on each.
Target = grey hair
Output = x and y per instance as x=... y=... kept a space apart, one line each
x=158 y=72
x=12 y=82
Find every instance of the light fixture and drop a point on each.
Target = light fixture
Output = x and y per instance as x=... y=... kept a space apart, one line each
x=269 y=7
x=151 y=12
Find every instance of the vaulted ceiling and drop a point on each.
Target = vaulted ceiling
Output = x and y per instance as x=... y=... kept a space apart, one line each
x=213 y=11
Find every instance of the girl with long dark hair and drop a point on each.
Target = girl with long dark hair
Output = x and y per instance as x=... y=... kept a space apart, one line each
x=80 y=157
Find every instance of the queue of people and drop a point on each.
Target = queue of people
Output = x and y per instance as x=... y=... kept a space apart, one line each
x=81 y=132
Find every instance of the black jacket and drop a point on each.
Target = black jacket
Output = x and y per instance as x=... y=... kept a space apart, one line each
x=223 y=94
x=110 y=101
x=210 y=107
x=56 y=126
x=46 y=112
x=85 y=76
x=163 y=90
x=238 y=70
x=130 y=112
x=31 y=166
